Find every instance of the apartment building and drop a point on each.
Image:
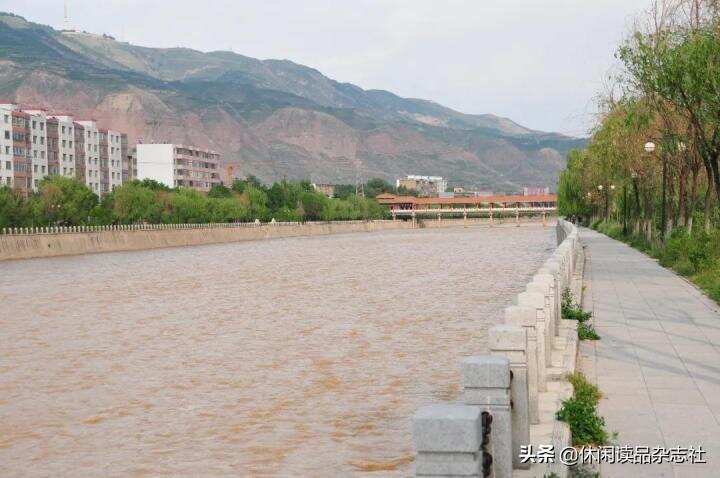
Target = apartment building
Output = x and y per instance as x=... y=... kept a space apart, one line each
x=423 y=185
x=87 y=152
x=37 y=145
x=178 y=165
x=15 y=154
x=111 y=159
x=61 y=145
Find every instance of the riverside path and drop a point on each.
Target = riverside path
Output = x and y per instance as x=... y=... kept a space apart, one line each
x=658 y=360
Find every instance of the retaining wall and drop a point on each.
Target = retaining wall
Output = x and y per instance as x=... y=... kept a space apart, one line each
x=49 y=242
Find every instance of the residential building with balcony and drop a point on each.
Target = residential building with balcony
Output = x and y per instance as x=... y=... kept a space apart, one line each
x=87 y=152
x=37 y=145
x=178 y=165
x=61 y=146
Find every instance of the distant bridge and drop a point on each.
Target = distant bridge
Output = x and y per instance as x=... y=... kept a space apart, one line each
x=488 y=206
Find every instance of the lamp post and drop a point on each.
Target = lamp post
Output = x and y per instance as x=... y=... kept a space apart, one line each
x=602 y=188
x=650 y=148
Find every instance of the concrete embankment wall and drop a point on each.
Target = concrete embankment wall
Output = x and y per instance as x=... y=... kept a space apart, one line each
x=25 y=246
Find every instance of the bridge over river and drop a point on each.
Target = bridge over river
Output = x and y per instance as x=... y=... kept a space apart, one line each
x=302 y=356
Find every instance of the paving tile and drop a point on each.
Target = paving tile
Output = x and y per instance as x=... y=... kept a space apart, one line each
x=658 y=324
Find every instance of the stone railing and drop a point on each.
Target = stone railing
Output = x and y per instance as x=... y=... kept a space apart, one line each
x=482 y=434
x=162 y=227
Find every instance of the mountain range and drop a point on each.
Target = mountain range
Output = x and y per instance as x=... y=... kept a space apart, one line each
x=271 y=118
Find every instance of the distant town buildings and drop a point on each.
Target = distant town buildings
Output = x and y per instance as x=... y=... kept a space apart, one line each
x=326 y=189
x=36 y=144
x=178 y=165
x=423 y=185
x=535 y=191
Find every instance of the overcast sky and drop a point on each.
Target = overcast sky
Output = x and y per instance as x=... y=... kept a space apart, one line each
x=538 y=62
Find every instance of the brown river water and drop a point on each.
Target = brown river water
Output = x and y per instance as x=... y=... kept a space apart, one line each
x=287 y=357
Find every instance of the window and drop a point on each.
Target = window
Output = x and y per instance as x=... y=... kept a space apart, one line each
x=7 y=119
x=63 y=143
x=64 y=171
x=42 y=154
x=36 y=183
x=70 y=144
x=8 y=165
x=42 y=139
x=7 y=149
x=34 y=124
x=71 y=157
x=8 y=180
x=35 y=153
x=42 y=126
x=34 y=139
x=35 y=168
x=42 y=168
x=64 y=156
x=7 y=134
x=63 y=129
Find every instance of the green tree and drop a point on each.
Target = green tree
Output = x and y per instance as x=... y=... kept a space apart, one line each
x=135 y=203
x=220 y=191
x=13 y=210
x=63 y=201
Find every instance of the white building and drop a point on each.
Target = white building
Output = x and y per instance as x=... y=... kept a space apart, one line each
x=87 y=138
x=61 y=142
x=37 y=145
x=177 y=165
x=6 y=146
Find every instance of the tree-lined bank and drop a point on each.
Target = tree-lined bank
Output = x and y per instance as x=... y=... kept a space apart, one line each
x=650 y=174
x=63 y=201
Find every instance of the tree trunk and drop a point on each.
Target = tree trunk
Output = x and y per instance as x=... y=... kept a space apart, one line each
x=693 y=198
x=682 y=203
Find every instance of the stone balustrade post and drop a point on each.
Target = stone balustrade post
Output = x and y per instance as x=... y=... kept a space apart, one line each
x=544 y=284
x=554 y=264
x=544 y=346
x=524 y=317
x=511 y=342
x=554 y=297
x=485 y=382
x=448 y=441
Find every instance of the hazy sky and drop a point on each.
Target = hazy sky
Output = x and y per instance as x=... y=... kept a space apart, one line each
x=538 y=62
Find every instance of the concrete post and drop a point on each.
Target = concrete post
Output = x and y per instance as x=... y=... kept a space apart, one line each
x=537 y=302
x=542 y=286
x=524 y=317
x=553 y=298
x=511 y=342
x=448 y=441
x=486 y=384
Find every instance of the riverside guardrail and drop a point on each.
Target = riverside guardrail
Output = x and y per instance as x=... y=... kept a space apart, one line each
x=34 y=242
x=163 y=227
x=482 y=434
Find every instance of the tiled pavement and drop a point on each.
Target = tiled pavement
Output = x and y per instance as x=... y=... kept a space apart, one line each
x=658 y=360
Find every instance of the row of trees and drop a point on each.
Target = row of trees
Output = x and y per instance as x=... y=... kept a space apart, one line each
x=68 y=202
x=653 y=161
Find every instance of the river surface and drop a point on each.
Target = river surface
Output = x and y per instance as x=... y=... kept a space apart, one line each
x=287 y=357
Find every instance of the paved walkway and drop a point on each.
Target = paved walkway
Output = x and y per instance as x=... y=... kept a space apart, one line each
x=658 y=362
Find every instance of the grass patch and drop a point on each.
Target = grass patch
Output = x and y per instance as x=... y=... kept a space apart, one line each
x=580 y=413
x=693 y=255
x=572 y=311
x=587 y=332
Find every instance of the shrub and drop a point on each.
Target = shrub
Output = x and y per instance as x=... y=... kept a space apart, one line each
x=580 y=413
x=570 y=310
x=587 y=332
